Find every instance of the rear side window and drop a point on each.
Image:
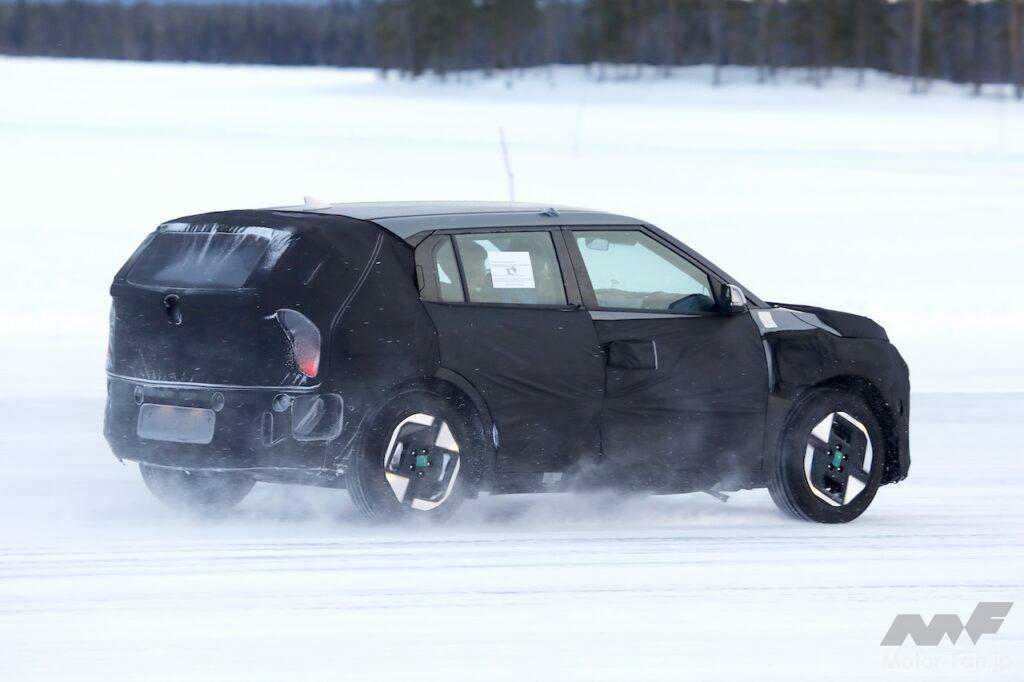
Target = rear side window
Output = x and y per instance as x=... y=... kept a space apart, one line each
x=203 y=260
x=511 y=267
x=446 y=269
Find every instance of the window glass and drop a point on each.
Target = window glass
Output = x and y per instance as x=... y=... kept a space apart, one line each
x=210 y=260
x=511 y=267
x=449 y=284
x=628 y=269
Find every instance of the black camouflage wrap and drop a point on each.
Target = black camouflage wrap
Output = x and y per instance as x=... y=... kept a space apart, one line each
x=666 y=403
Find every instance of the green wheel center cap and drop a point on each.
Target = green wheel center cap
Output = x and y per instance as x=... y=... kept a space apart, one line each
x=837 y=458
x=422 y=461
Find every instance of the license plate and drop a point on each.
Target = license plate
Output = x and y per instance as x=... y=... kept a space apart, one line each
x=176 y=424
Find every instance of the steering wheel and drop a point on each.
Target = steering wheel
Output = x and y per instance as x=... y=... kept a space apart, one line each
x=692 y=303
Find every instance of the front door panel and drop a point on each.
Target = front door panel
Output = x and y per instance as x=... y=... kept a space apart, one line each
x=686 y=386
x=698 y=413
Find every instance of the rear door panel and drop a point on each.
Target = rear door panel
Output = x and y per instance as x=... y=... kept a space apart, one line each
x=539 y=368
x=540 y=371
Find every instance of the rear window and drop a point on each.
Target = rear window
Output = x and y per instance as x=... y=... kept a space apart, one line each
x=206 y=260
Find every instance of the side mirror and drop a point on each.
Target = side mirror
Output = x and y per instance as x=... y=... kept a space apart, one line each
x=733 y=299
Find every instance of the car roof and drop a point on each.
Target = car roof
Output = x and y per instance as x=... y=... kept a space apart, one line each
x=411 y=219
x=408 y=218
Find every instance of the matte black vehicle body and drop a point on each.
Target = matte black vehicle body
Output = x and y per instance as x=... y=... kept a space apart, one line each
x=562 y=394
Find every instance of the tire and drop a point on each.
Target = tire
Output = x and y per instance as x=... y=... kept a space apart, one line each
x=196 y=491
x=826 y=468
x=386 y=479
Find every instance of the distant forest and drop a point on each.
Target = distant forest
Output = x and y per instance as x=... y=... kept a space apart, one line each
x=965 y=41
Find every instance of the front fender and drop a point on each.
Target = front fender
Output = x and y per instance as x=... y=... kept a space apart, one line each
x=803 y=352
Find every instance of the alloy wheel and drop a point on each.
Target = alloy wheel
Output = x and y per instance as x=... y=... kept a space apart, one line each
x=421 y=462
x=838 y=459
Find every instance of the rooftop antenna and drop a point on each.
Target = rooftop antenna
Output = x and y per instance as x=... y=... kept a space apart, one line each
x=314 y=204
x=508 y=165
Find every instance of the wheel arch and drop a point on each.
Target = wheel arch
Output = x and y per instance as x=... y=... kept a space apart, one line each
x=466 y=400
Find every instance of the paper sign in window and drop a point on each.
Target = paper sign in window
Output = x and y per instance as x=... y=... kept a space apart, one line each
x=511 y=270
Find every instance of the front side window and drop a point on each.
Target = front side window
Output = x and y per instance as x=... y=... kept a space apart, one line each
x=511 y=267
x=629 y=269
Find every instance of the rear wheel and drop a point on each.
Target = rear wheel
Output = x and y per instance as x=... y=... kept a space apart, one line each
x=200 y=491
x=828 y=466
x=420 y=459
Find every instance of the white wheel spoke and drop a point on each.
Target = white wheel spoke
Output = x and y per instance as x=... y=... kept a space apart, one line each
x=445 y=440
x=859 y=474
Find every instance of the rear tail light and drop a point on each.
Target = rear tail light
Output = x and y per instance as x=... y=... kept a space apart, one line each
x=304 y=338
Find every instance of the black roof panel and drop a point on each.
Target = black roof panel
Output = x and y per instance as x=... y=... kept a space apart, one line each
x=374 y=210
x=407 y=218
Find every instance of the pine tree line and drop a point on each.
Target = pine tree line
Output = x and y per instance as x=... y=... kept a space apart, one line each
x=965 y=41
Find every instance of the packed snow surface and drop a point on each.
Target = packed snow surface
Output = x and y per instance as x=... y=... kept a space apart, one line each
x=907 y=209
x=98 y=581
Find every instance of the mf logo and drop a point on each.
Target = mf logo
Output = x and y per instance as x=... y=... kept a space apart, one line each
x=986 y=620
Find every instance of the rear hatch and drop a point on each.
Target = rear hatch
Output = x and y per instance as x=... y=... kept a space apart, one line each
x=201 y=302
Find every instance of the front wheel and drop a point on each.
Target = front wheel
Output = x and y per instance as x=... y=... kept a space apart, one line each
x=419 y=459
x=829 y=463
x=197 y=491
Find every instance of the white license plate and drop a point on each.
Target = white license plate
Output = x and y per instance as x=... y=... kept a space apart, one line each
x=176 y=424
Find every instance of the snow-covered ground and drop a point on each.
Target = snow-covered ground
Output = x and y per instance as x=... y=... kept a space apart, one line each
x=906 y=209
x=97 y=581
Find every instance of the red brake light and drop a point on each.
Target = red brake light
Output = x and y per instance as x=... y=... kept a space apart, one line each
x=304 y=338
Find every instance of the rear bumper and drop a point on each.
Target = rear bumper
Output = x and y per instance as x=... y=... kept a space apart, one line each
x=252 y=428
